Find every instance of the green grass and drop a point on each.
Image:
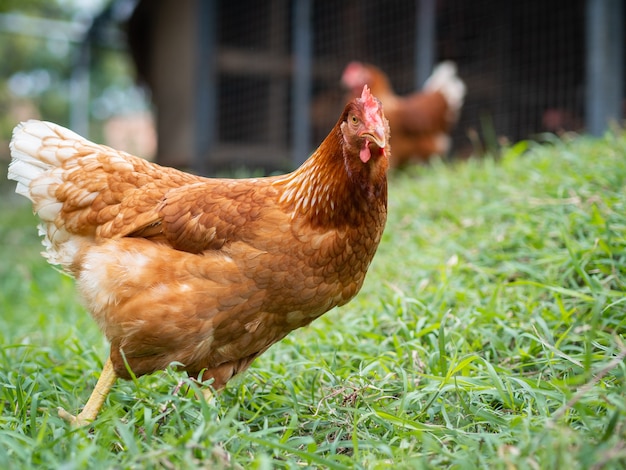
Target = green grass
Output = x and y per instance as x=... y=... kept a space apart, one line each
x=489 y=334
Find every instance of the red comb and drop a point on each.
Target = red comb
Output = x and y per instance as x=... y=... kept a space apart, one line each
x=366 y=95
x=369 y=101
x=353 y=69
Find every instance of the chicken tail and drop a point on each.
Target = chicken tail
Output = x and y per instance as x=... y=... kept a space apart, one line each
x=39 y=152
x=30 y=159
x=445 y=80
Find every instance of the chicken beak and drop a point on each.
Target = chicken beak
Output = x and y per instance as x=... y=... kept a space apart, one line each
x=376 y=136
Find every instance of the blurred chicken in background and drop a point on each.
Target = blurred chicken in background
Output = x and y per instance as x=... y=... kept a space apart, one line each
x=420 y=122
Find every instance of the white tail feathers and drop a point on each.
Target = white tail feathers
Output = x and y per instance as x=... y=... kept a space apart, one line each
x=445 y=80
x=37 y=147
x=38 y=151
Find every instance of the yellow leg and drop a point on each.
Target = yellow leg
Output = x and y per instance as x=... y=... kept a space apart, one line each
x=99 y=394
x=208 y=395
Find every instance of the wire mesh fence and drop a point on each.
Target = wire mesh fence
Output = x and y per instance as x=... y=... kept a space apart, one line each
x=523 y=64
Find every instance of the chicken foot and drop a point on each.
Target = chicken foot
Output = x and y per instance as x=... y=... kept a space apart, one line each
x=208 y=395
x=96 y=400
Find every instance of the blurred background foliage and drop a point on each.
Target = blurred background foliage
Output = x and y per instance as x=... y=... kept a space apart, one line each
x=41 y=43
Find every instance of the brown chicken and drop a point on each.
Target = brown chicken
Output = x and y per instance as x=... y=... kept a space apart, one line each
x=205 y=272
x=420 y=122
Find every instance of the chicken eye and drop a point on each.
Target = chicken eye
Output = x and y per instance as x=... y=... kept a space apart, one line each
x=354 y=120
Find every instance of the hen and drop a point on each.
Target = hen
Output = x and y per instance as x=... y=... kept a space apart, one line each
x=208 y=273
x=420 y=122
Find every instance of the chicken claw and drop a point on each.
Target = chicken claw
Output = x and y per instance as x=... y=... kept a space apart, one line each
x=96 y=400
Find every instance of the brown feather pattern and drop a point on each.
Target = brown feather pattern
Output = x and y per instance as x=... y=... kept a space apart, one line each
x=205 y=272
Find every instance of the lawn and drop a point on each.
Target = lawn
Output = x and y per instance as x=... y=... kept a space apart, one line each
x=489 y=334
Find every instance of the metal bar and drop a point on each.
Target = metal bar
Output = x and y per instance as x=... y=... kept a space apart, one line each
x=278 y=89
x=80 y=89
x=605 y=64
x=425 y=40
x=206 y=130
x=42 y=27
x=302 y=65
x=59 y=30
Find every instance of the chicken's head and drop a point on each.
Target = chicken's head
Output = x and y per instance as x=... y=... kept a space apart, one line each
x=365 y=127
